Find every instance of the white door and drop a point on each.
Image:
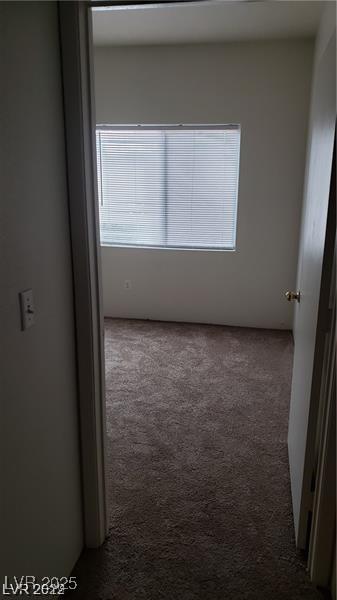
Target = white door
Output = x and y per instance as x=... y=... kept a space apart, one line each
x=307 y=335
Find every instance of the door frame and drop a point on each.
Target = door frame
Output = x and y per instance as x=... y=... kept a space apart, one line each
x=79 y=117
x=323 y=521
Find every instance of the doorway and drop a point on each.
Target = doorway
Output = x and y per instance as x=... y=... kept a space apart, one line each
x=146 y=537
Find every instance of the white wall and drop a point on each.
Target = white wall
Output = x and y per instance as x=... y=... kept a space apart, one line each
x=264 y=86
x=41 y=511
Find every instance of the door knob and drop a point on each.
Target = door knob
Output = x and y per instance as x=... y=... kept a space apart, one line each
x=293 y=296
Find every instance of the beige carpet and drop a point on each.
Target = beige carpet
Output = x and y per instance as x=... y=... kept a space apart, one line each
x=198 y=481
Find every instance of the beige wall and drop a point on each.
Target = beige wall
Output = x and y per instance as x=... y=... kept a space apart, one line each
x=41 y=514
x=264 y=86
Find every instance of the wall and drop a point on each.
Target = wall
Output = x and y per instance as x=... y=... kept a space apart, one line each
x=265 y=86
x=41 y=528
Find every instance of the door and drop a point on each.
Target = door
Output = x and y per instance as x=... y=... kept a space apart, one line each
x=310 y=320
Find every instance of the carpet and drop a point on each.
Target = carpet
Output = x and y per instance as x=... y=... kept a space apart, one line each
x=198 y=481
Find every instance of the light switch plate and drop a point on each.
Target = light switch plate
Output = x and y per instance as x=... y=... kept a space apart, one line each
x=27 y=309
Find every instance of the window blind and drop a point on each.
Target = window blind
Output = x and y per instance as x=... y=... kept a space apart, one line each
x=173 y=187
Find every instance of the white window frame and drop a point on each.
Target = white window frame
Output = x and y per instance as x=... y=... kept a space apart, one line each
x=177 y=127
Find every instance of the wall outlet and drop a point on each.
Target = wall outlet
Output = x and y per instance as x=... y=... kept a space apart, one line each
x=27 y=309
x=127 y=284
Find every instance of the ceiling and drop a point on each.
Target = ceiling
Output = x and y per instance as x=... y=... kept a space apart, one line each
x=206 y=22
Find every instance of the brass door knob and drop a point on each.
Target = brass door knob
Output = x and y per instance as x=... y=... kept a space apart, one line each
x=293 y=296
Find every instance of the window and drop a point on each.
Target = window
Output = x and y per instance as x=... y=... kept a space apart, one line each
x=168 y=187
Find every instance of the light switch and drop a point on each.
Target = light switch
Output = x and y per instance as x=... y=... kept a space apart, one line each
x=27 y=309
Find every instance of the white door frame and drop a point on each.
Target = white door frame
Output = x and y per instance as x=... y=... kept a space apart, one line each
x=77 y=71
x=323 y=522
x=80 y=122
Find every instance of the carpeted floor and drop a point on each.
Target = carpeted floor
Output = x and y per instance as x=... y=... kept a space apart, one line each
x=198 y=480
